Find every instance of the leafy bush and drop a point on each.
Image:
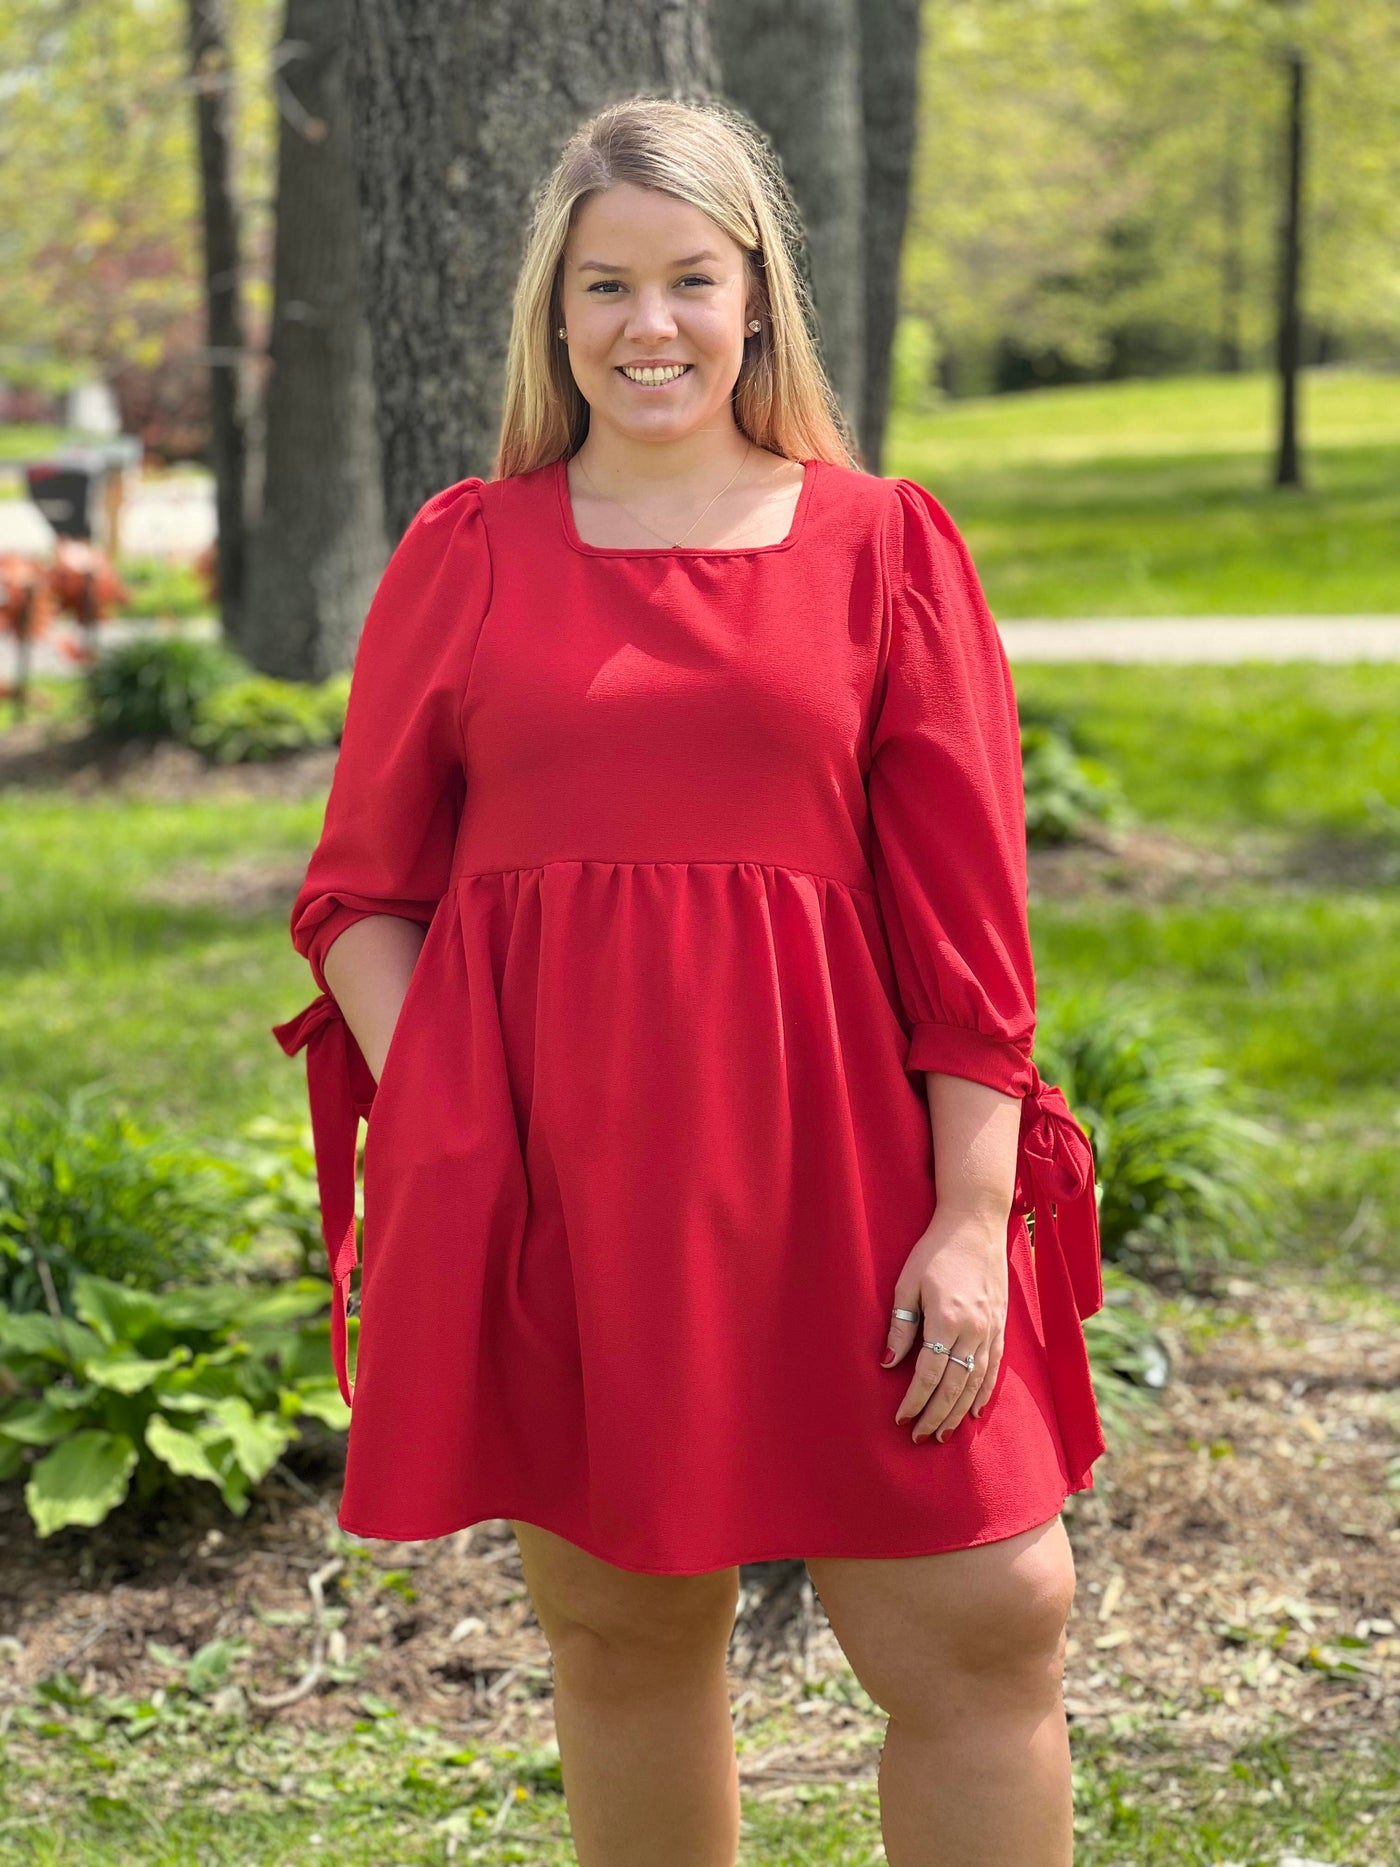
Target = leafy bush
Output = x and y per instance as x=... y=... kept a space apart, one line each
x=1063 y=788
x=1129 y=1359
x=83 y=1187
x=152 y=688
x=206 y=1382
x=1183 y=1173
x=262 y=718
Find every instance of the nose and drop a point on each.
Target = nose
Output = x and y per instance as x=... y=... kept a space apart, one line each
x=651 y=314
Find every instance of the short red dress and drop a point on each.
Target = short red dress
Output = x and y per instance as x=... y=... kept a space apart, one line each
x=717 y=849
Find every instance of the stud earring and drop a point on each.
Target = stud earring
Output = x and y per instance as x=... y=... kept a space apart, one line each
x=754 y=325
x=561 y=333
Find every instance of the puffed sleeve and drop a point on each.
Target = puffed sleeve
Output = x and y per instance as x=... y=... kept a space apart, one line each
x=395 y=800
x=947 y=808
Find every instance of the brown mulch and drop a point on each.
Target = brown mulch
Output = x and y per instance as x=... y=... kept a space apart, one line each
x=68 y=757
x=1220 y=1559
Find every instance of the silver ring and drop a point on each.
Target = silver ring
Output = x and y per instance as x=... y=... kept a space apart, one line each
x=939 y=1348
x=905 y=1315
x=965 y=1361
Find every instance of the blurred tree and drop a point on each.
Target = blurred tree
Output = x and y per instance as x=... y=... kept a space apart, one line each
x=98 y=185
x=317 y=548
x=1097 y=185
x=833 y=85
x=212 y=81
x=794 y=67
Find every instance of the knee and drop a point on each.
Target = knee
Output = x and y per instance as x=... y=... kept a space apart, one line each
x=602 y=1622
x=1001 y=1647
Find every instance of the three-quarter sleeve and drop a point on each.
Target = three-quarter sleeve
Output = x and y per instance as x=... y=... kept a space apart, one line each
x=947 y=808
x=396 y=797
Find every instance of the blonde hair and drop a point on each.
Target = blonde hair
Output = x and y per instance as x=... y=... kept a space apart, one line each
x=710 y=154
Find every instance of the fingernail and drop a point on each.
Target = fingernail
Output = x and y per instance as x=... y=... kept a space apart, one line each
x=888 y=1358
x=939 y=1435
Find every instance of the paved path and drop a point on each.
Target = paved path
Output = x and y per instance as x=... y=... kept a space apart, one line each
x=1206 y=638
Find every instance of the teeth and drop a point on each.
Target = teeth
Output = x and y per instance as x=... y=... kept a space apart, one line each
x=655 y=375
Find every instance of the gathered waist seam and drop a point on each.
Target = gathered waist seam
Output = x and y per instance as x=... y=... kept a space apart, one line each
x=667 y=862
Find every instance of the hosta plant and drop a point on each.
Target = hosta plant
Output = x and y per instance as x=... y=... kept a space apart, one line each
x=137 y=1392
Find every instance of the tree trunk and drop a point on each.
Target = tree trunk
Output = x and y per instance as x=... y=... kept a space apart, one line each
x=889 y=68
x=1232 y=240
x=319 y=547
x=794 y=66
x=459 y=111
x=211 y=69
x=1288 y=468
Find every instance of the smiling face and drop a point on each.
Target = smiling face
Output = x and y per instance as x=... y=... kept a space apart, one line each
x=650 y=280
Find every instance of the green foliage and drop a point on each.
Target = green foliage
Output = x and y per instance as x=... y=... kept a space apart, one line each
x=152 y=689
x=261 y=718
x=1128 y=1357
x=914 y=388
x=1063 y=789
x=83 y=1187
x=1182 y=1170
x=160 y=588
x=205 y=1382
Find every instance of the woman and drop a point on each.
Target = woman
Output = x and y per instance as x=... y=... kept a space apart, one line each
x=672 y=890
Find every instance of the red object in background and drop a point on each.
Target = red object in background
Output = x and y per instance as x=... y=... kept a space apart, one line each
x=207 y=568
x=26 y=596
x=85 y=581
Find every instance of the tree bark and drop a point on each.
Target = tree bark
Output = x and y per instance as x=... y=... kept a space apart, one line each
x=889 y=67
x=211 y=70
x=1232 y=240
x=794 y=66
x=319 y=547
x=459 y=111
x=1288 y=467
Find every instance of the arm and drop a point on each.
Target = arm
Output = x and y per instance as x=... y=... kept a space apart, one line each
x=367 y=970
x=948 y=852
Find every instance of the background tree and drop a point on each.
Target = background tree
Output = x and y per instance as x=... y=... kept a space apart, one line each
x=318 y=547
x=211 y=71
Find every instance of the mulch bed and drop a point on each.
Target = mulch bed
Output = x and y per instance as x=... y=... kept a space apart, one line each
x=1220 y=1560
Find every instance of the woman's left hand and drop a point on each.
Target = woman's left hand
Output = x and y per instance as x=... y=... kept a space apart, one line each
x=957 y=1275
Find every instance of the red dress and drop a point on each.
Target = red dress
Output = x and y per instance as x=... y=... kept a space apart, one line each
x=717 y=849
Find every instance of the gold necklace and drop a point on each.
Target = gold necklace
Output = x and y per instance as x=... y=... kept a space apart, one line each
x=675 y=542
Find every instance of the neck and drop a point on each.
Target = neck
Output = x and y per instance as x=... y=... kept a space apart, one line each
x=616 y=462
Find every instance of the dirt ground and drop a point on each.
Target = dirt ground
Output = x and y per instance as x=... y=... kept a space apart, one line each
x=1239 y=1567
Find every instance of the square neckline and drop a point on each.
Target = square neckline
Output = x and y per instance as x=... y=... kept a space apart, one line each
x=571 y=533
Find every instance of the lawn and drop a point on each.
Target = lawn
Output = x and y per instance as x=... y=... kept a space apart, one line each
x=1155 y=498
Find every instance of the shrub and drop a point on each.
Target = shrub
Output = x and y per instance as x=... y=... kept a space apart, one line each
x=162 y=588
x=262 y=718
x=151 y=689
x=205 y=1383
x=1063 y=788
x=1183 y=1172
x=1128 y=1357
x=83 y=1187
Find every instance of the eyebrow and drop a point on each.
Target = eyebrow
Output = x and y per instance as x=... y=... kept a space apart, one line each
x=691 y=259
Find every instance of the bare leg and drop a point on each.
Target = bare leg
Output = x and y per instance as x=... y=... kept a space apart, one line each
x=641 y=1705
x=965 y=1651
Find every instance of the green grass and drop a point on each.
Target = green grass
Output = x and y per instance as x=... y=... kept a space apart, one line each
x=163 y=1788
x=102 y=980
x=1154 y=498
x=1296 y=746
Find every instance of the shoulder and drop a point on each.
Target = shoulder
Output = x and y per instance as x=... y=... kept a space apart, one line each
x=900 y=513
